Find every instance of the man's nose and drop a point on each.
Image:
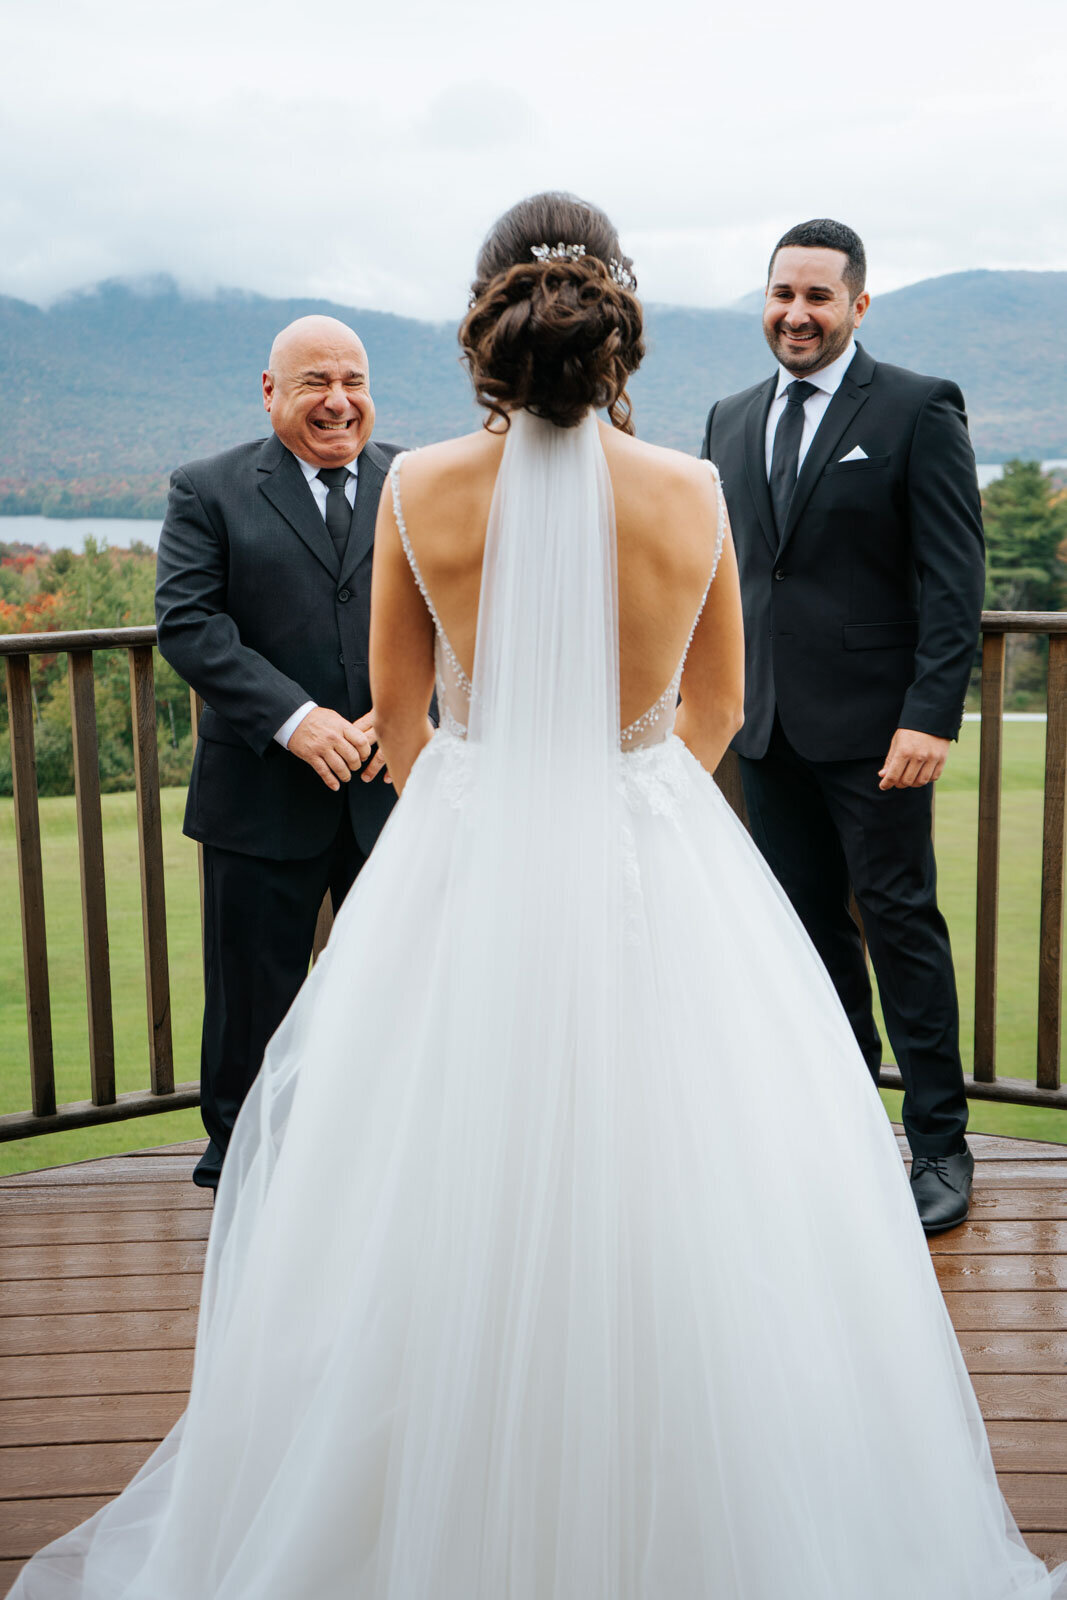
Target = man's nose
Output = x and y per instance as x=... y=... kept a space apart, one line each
x=336 y=399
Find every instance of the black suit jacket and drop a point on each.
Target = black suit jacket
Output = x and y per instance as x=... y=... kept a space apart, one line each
x=254 y=610
x=863 y=617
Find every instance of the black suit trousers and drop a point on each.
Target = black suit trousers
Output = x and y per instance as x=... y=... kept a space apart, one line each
x=259 y=929
x=824 y=826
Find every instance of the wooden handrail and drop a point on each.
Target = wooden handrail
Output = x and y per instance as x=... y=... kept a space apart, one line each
x=164 y=1095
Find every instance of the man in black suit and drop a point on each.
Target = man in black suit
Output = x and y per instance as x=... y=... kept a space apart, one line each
x=855 y=510
x=263 y=605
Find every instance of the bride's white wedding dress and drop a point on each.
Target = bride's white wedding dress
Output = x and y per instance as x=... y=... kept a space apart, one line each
x=563 y=1250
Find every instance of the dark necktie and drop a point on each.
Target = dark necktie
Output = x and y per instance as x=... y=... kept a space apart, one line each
x=338 y=510
x=786 y=451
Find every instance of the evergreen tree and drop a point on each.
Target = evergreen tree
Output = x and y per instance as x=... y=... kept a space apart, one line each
x=1025 y=526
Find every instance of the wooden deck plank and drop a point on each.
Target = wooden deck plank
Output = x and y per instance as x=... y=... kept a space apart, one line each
x=29 y=1472
x=1051 y=1547
x=88 y=1418
x=26 y=1525
x=999 y=1351
x=106 y=1169
x=990 y=1313
x=45 y=1199
x=87 y=1331
x=964 y=1273
x=100 y=1260
x=1027 y=1205
x=191 y=1147
x=1000 y=1147
x=124 y=1372
x=43 y=1297
x=1037 y=1500
x=1028 y=1446
x=103 y=1227
x=980 y=1237
x=1021 y=1396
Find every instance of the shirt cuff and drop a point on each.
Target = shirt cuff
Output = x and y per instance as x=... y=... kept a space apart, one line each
x=290 y=725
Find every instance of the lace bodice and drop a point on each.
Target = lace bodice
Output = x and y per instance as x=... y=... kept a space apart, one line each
x=454 y=688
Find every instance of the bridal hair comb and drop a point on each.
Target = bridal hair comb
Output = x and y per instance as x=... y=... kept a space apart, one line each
x=574 y=252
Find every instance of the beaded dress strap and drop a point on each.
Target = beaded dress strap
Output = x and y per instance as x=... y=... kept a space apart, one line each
x=670 y=693
x=398 y=511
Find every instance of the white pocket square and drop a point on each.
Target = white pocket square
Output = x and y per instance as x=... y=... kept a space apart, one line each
x=857 y=453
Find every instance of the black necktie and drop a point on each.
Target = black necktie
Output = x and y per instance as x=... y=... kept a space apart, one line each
x=786 y=452
x=338 y=510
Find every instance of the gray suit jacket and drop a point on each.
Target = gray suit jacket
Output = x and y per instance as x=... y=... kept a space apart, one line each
x=255 y=612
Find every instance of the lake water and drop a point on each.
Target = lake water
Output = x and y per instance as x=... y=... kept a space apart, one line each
x=71 y=532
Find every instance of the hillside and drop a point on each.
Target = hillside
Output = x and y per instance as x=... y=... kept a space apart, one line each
x=104 y=392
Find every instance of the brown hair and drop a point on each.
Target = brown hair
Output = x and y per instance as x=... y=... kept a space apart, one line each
x=553 y=336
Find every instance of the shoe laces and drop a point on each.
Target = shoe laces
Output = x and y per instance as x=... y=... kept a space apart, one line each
x=936 y=1164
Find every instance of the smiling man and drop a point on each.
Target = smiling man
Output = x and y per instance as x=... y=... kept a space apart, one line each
x=263 y=606
x=855 y=510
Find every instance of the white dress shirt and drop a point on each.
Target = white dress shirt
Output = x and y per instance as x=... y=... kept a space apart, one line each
x=827 y=382
x=320 y=491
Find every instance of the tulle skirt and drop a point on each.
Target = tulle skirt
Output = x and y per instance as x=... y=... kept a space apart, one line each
x=481 y=1322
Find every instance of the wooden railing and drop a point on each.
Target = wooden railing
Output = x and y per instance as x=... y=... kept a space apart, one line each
x=104 y=1105
x=163 y=1094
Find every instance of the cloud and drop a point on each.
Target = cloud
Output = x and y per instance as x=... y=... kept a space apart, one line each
x=236 y=142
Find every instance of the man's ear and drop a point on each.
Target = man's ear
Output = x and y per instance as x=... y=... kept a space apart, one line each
x=268 y=390
x=859 y=310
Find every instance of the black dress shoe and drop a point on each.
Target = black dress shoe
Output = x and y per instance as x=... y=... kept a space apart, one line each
x=208 y=1169
x=942 y=1189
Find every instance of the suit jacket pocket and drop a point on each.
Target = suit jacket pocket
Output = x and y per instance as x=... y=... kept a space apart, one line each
x=216 y=730
x=857 y=466
x=880 y=635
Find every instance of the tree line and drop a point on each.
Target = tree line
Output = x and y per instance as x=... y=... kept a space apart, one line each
x=1025 y=516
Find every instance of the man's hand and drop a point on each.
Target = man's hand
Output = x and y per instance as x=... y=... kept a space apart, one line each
x=333 y=746
x=914 y=760
x=365 y=724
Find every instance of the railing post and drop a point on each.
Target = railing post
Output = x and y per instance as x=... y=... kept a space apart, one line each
x=153 y=892
x=31 y=886
x=91 y=861
x=988 y=890
x=1050 y=969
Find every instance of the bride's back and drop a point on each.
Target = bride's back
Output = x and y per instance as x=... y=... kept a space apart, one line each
x=666 y=524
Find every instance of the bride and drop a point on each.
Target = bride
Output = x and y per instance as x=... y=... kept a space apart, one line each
x=563 y=1250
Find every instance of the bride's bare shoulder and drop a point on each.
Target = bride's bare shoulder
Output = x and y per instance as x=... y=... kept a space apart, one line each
x=453 y=466
x=652 y=473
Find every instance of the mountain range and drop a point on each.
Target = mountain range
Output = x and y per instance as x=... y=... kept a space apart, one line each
x=102 y=393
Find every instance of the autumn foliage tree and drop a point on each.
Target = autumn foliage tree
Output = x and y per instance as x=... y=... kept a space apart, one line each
x=42 y=592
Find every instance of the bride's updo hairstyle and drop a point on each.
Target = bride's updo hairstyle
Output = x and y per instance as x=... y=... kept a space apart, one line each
x=549 y=333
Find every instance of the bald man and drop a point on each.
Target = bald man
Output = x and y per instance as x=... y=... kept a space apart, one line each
x=263 y=605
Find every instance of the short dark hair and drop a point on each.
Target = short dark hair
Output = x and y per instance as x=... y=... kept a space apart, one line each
x=822 y=233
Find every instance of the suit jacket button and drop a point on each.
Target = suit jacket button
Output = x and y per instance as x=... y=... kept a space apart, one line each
x=341 y=660
x=778 y=574
x=343 y=595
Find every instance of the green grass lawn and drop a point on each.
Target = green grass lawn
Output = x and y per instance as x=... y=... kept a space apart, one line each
x=956 y=828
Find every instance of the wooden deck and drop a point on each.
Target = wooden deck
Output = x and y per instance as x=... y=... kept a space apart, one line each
x=100 y=1269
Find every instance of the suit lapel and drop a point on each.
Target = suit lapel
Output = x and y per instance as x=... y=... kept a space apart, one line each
x=756 y=459
x=287 y=489
x=851 y=396
x=372 y=469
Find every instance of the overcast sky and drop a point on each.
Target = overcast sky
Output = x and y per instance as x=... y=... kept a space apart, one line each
x=360 y=152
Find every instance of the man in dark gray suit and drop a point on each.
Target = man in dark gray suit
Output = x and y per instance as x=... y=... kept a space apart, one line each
x=855 y=511
x=263 y=606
